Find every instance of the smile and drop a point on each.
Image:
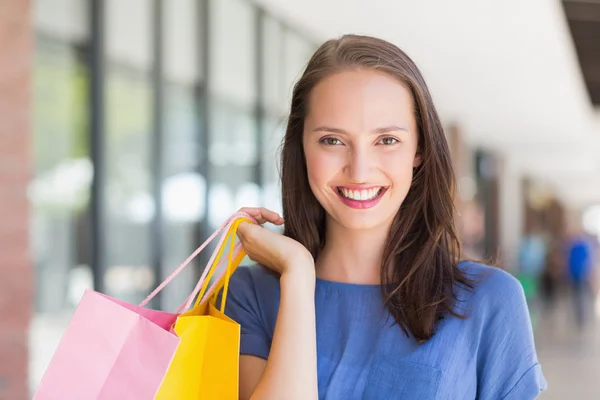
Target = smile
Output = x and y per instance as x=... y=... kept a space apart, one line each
x=361 y=197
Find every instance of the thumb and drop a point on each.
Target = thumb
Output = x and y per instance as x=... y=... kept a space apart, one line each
x=244 y=229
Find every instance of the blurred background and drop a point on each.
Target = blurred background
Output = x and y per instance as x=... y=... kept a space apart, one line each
x=130 y=129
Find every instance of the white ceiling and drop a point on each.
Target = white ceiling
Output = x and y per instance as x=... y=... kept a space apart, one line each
x=505 y=70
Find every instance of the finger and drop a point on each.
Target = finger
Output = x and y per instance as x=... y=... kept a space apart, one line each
x=255 y=213
x=271 y=216
x=263 y=215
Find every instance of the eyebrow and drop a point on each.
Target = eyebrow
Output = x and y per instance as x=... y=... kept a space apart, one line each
x=385 y=129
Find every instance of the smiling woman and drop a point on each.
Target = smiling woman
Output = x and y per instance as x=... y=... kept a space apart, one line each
x=370 y=298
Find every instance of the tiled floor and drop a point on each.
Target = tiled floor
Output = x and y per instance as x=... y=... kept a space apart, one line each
x=570 y=357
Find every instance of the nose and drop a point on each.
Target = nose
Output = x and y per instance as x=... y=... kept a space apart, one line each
x=359 y=164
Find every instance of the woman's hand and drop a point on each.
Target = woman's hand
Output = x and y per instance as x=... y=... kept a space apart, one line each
x=273 y=250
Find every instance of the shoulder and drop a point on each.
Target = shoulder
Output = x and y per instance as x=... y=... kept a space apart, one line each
x=254 y=290
x=254 y=278
x=499 y=312
x=507 y=362
x=253 y=302
x=493 y=289
x=490 y=281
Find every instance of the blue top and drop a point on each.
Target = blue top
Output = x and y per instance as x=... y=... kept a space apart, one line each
x=363 y=354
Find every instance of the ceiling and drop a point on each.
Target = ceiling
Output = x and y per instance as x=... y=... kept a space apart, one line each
x=583 y=17
x=506 y=71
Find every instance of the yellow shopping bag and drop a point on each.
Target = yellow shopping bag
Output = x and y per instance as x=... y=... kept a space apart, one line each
x=206 y=364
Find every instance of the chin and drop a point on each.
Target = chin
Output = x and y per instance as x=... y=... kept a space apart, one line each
x=364 y=222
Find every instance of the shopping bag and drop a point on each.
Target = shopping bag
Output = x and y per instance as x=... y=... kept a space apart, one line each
x=111 y=350
x=206 y=364
x=116 y=350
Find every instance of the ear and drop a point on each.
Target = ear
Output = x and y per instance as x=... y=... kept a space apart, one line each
x=418 y=159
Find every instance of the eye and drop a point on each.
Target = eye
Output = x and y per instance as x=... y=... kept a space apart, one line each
x=330 y=141
x=387 y=141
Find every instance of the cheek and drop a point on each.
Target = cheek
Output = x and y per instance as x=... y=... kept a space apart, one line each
x=399 y=169
x=321 y=167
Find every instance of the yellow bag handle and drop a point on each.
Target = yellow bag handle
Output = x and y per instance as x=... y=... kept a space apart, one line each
x=232 y=264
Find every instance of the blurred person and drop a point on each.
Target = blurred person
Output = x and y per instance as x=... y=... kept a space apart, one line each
x=580 y=262
x=364 y=295
x=553 y=276
x=532 y=263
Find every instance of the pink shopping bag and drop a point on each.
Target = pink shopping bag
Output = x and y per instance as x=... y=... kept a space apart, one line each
x=113 y=350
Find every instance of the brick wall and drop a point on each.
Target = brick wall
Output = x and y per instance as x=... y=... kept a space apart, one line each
x=16 y=41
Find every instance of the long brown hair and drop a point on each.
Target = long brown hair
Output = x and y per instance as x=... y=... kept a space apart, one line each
x=419 y=271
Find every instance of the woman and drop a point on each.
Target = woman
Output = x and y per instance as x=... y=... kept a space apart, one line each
x=363 y=296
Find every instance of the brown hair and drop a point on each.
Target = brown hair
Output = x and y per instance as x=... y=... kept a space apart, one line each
x=420 y=262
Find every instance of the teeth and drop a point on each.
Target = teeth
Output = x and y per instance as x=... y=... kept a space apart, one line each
x=365 y=194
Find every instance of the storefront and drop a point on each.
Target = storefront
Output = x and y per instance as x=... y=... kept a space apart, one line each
x=152 y=122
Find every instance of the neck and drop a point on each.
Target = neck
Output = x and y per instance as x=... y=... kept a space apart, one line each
x=352 y=256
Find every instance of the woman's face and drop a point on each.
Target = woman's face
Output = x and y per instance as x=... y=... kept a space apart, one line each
x=360 y=141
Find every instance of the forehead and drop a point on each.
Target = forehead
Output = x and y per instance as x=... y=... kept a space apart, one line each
x=363 y=98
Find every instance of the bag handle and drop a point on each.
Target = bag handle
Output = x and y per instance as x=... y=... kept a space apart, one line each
x=213 y=265
x=232 y=265
x=225 y=225
x=187 y=303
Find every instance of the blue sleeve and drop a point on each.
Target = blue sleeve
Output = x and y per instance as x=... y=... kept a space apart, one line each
x=508 y=367
x=244 y=307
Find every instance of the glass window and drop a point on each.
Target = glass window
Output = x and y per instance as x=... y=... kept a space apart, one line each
x=128 y=30
x=273 y=95
x=273 y=131
x=129 y=204
x=66 y=20
x=60 y=186
x=233 y=134
x=275 y=107
x=233 y=51
x=60 y=190
x=297 y=52
x=182 y=41
x=183 y=191
x=234 y=161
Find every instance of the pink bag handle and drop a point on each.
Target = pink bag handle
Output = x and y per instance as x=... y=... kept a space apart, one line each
x=236 y=251
x=225 y=226
x=209 y=292
x=238 y=247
